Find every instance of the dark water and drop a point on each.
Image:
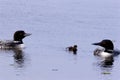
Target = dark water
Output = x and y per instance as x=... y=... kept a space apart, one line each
x=55 y=25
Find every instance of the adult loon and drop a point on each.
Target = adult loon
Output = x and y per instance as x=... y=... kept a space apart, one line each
x=107 y=53
x=17 y=41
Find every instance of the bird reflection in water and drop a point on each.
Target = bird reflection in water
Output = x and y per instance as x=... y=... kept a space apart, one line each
x=105 y=67
x=18 y=57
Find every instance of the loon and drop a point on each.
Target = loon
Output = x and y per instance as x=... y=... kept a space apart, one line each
x=107 y=53
x=73 y=49
x=17 y=41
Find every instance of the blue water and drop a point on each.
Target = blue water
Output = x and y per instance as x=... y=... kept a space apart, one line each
x=55 y=25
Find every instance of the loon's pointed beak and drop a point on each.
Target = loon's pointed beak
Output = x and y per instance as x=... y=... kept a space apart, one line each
x=96 y=43
x=27 y=34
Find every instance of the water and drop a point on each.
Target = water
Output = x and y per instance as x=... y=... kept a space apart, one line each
x=55 y=25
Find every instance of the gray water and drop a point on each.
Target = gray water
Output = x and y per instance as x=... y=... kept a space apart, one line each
x=55 y=25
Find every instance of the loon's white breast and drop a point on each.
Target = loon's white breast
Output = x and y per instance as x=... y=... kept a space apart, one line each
x=105 y=54
x=20 y=46
x=101 y=52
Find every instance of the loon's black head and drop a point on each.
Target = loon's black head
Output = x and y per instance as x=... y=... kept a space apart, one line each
x=107 y=44
x=19 y=35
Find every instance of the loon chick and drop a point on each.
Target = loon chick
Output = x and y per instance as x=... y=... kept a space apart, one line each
x=73 y=49
x=17 y=41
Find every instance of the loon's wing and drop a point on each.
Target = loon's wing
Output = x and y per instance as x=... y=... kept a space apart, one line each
x=11 y=43
x=8 y=44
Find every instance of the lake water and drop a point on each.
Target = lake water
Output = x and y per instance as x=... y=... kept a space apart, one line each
x=55 y=25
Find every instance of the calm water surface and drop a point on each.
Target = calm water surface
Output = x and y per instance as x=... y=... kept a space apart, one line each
x=55 y=25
